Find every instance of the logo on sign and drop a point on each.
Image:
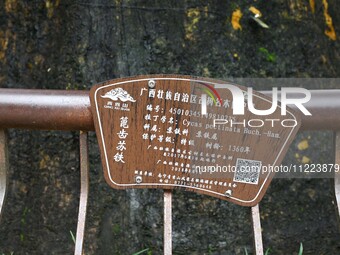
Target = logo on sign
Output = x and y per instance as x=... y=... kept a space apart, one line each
x=119 y=94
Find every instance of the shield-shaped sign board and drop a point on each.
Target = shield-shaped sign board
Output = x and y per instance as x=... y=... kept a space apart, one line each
x=198 y=134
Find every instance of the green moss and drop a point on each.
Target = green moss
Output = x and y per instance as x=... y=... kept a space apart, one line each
x=270 y=57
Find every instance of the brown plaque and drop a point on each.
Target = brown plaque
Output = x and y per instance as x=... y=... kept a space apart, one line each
x=166 y=131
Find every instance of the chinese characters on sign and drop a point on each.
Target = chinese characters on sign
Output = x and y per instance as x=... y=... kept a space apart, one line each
x=122 y=134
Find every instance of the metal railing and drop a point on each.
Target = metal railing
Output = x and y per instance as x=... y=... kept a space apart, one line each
x=70 y=110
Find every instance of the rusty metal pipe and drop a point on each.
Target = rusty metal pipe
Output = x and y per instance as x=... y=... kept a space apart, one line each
x=70 y=110
x=45 y=109
x=324 y=107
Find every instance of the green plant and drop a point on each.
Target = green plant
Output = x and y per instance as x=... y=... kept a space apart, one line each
x=72 y=236
x=142 y=251
x=70 y=86
x=116 y=229
x=268 y=250
x=211 y=249
x=270 y=57
x=23 y=219
x=301 y=249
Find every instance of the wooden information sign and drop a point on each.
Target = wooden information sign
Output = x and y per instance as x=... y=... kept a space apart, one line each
x=202 y=135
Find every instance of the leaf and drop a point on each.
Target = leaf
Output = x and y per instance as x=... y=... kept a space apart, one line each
x=140 y=252
x=72 y=236
x=330 y=31
x=235 y=19
x=312 y=5
x=271 y=57
x=255 y=11
x=260 y=22
x=301 y=249
x=305 y=160
x=303 y=145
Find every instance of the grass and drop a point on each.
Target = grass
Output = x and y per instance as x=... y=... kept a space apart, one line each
x=73 y=237
x=301 y=249
x=267 y=252
x=23 y=219
x=145 y=251
x=148 y=252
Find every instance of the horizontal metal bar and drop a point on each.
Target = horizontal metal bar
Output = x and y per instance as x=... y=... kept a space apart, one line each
x=70 y=110
x=45 y=109
x=324 y=107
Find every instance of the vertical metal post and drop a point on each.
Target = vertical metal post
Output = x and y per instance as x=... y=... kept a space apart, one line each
x=256 y=220
x=167 y=222
x=84 y=192
x=337 y=173
x=3 y=168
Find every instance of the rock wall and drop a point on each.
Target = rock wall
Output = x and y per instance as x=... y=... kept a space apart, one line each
x=55 y=44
